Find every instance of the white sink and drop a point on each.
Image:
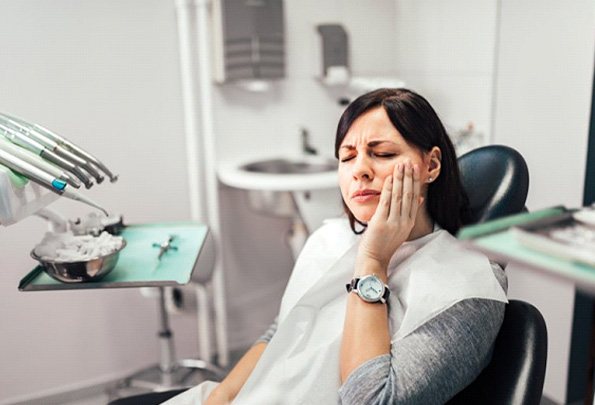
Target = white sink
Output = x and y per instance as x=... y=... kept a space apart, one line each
x=280 y=173
x=303 y=188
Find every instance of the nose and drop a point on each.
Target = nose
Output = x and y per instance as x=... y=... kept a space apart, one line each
x=362 y=168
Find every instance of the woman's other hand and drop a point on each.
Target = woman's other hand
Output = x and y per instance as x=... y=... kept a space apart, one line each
x=219 y=396
x=394 y=218
x=231 y=385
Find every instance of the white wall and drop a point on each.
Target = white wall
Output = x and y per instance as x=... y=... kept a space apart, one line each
x=445 y=51
x=543 y=98
x=105 y=75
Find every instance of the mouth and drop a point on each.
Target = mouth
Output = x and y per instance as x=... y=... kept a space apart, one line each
x=365 y=195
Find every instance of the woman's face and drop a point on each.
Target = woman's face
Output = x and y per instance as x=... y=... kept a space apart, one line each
x=368 y=154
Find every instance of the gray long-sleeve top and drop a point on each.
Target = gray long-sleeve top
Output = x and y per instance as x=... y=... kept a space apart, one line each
x=434 y=362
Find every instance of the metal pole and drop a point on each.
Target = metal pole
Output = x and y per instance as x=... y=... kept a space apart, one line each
x=167 y=363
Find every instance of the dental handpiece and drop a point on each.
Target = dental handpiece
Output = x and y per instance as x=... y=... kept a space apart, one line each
x=77 y=150
x=68 y=145
x=39 y=162
x=43 y=178
x=22 y=140
x=28 y=130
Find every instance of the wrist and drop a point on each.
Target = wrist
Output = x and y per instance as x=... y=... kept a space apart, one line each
x=366 y=266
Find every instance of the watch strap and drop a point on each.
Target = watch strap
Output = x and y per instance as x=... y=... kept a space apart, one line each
x=352 y=285
x=386 y=294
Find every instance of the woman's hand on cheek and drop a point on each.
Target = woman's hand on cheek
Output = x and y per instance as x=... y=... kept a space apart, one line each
x=394 y=218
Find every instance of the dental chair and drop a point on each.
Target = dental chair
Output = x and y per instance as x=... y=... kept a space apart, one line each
x=496 y=179
x=516 y=372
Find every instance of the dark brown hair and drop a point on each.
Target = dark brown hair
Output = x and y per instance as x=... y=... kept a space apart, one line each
x=418 y=123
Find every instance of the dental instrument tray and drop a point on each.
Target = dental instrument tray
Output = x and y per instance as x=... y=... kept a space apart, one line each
x=562 y=236
x=147 y=261
x=554 y=241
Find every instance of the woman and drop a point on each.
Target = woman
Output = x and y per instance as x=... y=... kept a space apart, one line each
x=421 y=313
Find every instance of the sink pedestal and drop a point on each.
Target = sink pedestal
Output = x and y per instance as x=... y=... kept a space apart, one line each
x=307 y=209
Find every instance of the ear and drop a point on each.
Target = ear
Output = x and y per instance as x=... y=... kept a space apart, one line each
x=433 y=160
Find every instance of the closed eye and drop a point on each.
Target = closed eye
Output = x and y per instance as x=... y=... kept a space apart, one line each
x=385 y=155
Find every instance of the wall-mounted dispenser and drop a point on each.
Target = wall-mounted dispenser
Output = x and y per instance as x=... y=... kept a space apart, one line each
x=249 y=40
x=336 y=72
x=335 y=54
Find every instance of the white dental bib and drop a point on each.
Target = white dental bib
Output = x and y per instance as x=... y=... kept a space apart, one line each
x=301 y=362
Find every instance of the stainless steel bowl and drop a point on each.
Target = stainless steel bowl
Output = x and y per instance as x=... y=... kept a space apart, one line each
x=79 y=272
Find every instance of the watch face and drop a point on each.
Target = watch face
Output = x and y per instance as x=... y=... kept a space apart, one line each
x=370 y=288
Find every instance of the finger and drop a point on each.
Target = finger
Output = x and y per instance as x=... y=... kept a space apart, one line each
x=383 y=208
x=407 y=191
x=417 y=199
x=397 y=195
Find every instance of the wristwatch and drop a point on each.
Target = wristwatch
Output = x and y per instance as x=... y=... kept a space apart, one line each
x=369 y=288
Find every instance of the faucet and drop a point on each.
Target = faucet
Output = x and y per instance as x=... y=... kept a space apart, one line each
x=306 y=147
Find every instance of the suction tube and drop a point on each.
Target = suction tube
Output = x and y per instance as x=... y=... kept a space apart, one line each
x=68 y=146
x=43 y=178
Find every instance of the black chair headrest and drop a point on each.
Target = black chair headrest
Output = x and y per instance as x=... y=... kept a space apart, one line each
x=496 y=180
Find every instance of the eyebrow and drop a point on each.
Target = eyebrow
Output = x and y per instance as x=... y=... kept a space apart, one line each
x=370 y=144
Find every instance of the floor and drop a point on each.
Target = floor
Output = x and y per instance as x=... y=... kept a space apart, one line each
x=104 y=398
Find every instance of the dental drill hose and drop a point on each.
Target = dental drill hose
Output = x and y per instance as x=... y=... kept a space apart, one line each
x=77 y=171
x=43 y=178
x=29 y=131
x=66 y=144
x=39 y=162
x=60 y=151
x=14 y=134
